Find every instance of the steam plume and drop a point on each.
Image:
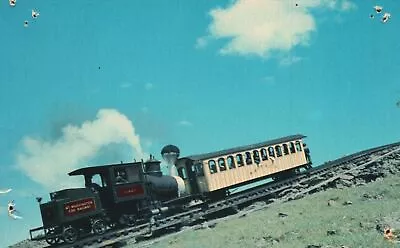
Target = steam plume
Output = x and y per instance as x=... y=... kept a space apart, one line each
x=48 y=162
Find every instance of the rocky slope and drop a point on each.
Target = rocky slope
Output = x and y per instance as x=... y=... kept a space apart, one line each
x=344 y=217
x=353 y=214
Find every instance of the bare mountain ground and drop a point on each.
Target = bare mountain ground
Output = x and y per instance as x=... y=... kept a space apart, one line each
x=349 y=217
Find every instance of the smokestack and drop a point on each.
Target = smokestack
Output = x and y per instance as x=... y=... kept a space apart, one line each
x=170 y=154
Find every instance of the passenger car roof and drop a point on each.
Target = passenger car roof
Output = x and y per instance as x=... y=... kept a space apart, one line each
x=204 y=156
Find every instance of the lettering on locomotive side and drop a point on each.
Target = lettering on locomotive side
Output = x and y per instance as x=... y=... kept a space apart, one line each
x=130 y=190
x=80 y=206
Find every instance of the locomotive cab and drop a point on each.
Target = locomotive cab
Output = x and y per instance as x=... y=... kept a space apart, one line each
x=98 y=180
x=115 y=183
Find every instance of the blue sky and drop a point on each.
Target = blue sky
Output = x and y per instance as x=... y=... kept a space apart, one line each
x=203 y=75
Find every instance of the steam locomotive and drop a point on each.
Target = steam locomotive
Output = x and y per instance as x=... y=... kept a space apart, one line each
x=126 y=194
x=114 y=195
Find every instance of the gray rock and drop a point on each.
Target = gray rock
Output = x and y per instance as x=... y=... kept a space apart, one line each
x=347 y=203
x=347 y=177
x=212 y=225
x=331 y=232
x=199 y=227
x=367 y=196
x=282 y=215
x=285 y=192
x=345 y=182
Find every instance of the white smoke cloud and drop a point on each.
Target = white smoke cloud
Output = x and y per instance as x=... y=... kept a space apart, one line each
x=259 y=27
x=48 y=162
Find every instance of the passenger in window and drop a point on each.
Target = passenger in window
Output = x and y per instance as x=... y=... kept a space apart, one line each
x=292 y=148
x=196 y=169
x=256 y=157
x=264 y=154
x=271 y=152
x=221 y=164
x=199 y=169
x=121 y=177
x=212 y=166
x=298 y=146
x=248 y=158
x=89 y=182
x=307 y=153
x=239 y=160
x=285 y=149
x=231 y=163
x=278 y=150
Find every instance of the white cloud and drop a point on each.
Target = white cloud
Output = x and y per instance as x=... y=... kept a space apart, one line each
x=347 y=5
x=185 y=123
x=148 y=86
x=48 y=162
x=289 y=60
x=260 y=27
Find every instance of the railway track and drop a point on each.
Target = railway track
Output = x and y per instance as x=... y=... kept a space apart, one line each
x=362 y=165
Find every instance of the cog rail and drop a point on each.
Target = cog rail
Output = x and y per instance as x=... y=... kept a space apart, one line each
x=308 y=182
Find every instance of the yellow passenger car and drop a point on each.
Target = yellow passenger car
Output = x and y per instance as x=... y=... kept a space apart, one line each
x=221 y=170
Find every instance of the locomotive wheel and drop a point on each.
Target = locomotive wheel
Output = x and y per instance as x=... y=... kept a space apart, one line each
x=52 y=241
x=99 y=227
x=70 y=235
x=131 y=220
x=127 y=219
